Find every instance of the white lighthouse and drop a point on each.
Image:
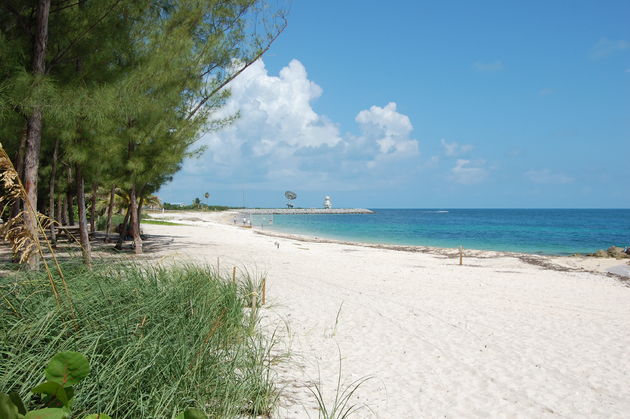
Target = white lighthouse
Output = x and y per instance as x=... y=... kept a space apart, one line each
x=327 y=203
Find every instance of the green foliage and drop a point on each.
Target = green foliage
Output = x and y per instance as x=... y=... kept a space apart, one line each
x=191 y=413
x=129 y=86
x=160 y=222
x=8 y=410
x=194 y=206
x=67 y=368
x=48 y=413
x=101 y=222
x=159 y=340
x=63 y=371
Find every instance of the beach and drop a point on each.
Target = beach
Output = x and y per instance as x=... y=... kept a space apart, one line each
x=503 y=335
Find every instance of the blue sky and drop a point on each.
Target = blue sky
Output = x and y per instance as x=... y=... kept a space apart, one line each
x=453 y=104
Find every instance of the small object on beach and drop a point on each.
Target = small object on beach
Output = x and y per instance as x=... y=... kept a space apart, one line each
x=277 y=245
x=461 y=254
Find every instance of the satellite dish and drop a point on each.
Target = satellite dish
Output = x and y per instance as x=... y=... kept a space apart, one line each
x=290 y=196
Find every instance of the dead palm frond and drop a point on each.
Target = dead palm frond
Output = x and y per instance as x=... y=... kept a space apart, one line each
x=15 y=231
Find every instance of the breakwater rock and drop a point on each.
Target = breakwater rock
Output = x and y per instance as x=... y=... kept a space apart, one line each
x=289 y=211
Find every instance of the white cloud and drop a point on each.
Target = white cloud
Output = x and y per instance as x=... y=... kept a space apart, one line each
x=464 y=174
x=387 y=128
x=547 y=176
x=496 y=65
x=279 y=135
x=605 y=47
x=455 y=149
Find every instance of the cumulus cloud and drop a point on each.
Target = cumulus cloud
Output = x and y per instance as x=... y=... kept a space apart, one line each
x=279 y=135
x=488 y=66
x=605 y=47
x=388 y=129
x=465 y=174
x=547 y=176
x=455 y=149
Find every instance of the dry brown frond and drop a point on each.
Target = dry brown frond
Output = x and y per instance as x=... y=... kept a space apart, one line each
x=24 y=242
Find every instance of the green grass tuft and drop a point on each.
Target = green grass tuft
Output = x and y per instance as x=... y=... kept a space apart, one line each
x=160 y=222
x=158 y=340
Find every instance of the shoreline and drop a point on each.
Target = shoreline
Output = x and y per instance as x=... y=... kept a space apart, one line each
x=614 y=268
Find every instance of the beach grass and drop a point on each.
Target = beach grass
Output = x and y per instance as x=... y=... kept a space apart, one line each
x=160 y=222
x=159 y=339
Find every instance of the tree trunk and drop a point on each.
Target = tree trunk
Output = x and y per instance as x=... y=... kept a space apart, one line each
x=93 y=209
x=34 y=129
x=31 y=167
x=69 y=198
x=60 y=217
x=64 y=209
x=123 y=232
x=135 y=222
x=51 y=213
x=19 y=167
x=83 y=230
x=140 y=203
x=110 y=210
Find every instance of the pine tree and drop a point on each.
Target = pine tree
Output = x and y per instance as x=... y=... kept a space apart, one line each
x=117 y=92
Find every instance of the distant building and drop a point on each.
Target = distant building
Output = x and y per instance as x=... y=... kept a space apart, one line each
x=327 y=203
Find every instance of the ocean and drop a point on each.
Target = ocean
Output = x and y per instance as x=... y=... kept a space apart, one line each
x=540 y=231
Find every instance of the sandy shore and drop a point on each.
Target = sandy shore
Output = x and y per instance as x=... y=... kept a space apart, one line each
x=504 y=335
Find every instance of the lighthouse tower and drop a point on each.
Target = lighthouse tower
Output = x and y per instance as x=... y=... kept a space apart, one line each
x=327 y=203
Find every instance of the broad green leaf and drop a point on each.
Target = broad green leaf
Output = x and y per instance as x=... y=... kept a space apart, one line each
x=55 y=390
x=47 y=387
x=97 y=416
x=67 y=368
x=48 y=413
x=8 y=410
x=17 y=401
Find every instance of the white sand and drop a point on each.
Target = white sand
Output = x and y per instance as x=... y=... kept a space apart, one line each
x=497 y=337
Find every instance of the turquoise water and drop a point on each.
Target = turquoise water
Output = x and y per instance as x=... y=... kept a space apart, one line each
x=544 y=231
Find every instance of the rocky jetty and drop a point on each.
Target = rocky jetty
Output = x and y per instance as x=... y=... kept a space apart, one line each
x=307 y=211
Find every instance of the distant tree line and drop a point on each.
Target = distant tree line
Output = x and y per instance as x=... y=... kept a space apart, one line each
x=101 y=100
x=196 y=206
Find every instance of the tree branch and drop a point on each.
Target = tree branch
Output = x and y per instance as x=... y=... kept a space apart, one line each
x=65 y=7
x=236 y=74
